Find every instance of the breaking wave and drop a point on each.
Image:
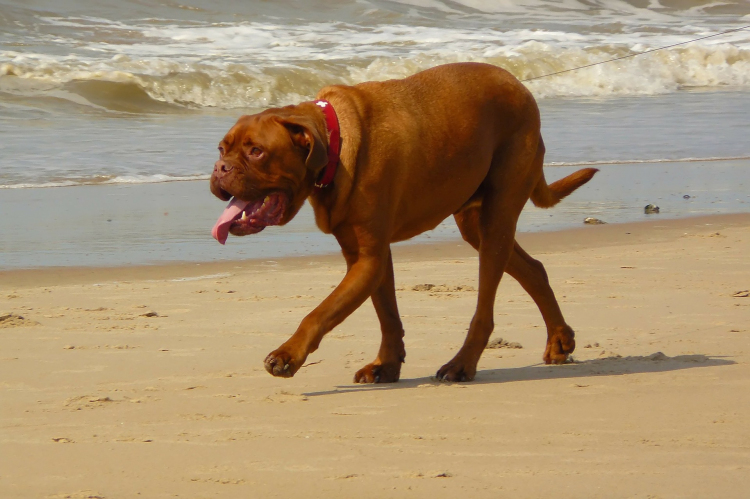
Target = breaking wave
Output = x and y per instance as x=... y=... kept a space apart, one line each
x=173 y=67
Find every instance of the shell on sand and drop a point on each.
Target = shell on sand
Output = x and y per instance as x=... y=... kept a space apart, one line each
x=593 y=221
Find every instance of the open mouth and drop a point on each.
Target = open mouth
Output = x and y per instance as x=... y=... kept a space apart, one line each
x=241 y=218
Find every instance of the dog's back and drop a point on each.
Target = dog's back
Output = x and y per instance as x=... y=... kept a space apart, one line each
x=431 y=138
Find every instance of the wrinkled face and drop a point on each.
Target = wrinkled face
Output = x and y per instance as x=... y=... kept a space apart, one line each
x=262 y=169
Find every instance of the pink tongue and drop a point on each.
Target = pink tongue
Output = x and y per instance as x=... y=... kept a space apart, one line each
x=231 y=212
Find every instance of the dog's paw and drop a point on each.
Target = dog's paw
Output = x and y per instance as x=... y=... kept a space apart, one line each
x=382 y=373
x=282 y=364
x=457 y=370
x=560 y=343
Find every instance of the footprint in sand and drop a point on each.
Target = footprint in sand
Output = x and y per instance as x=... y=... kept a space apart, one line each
x=84 y=494
x=501 y=343
x=442 y=288
x=15 y=320
x=282 y=396
x=88 y=402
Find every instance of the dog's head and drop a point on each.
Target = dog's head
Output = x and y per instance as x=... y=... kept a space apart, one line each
x=267 y=166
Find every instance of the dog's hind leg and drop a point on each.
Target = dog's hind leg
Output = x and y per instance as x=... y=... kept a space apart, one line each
x=505 y=190
x=386 y=367
x=531 y=275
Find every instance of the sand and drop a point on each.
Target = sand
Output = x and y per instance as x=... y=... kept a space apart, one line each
x=148 y=381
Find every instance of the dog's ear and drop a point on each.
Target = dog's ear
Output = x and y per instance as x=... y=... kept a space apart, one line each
x=305 y=135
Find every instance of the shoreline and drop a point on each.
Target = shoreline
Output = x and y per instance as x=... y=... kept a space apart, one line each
x=135 y=180
x=535 y=243
x=151 y=223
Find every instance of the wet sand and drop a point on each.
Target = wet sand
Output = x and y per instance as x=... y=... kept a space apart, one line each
x=116 y=225
x=148 y=381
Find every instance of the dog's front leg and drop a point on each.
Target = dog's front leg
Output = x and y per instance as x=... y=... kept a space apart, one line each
x=365 y=271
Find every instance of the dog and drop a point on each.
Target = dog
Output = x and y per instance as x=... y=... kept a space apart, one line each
x=382 y=162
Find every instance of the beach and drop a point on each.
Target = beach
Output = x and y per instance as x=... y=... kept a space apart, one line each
x=132 y=343
x=148 y=381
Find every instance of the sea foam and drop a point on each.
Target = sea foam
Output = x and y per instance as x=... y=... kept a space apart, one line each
x=276 y=61
x=234 y=84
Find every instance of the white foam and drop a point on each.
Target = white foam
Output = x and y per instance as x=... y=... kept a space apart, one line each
x=200 y=277
x=157 y=179
x=154 y=179
x=272 y=62
x=236 y=85
x=644 y=161
x=123 y=179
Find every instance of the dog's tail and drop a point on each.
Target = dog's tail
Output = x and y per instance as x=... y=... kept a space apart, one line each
x=546 y=196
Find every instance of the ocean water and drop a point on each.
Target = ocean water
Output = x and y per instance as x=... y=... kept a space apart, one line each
x=102 y=102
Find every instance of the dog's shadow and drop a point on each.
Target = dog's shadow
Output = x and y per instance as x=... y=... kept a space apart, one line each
x=610 y=366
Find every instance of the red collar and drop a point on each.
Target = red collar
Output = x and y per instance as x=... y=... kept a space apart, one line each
x=334 y=145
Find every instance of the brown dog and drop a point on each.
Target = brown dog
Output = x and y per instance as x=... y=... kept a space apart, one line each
x=461 y=140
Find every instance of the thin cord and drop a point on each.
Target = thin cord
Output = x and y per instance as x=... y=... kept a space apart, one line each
x=634 y=55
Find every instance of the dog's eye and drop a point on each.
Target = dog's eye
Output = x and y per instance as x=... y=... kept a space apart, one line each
x=221 y=151
x=256 y=152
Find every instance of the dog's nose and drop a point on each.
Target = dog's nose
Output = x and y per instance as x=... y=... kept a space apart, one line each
x=221 y=168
